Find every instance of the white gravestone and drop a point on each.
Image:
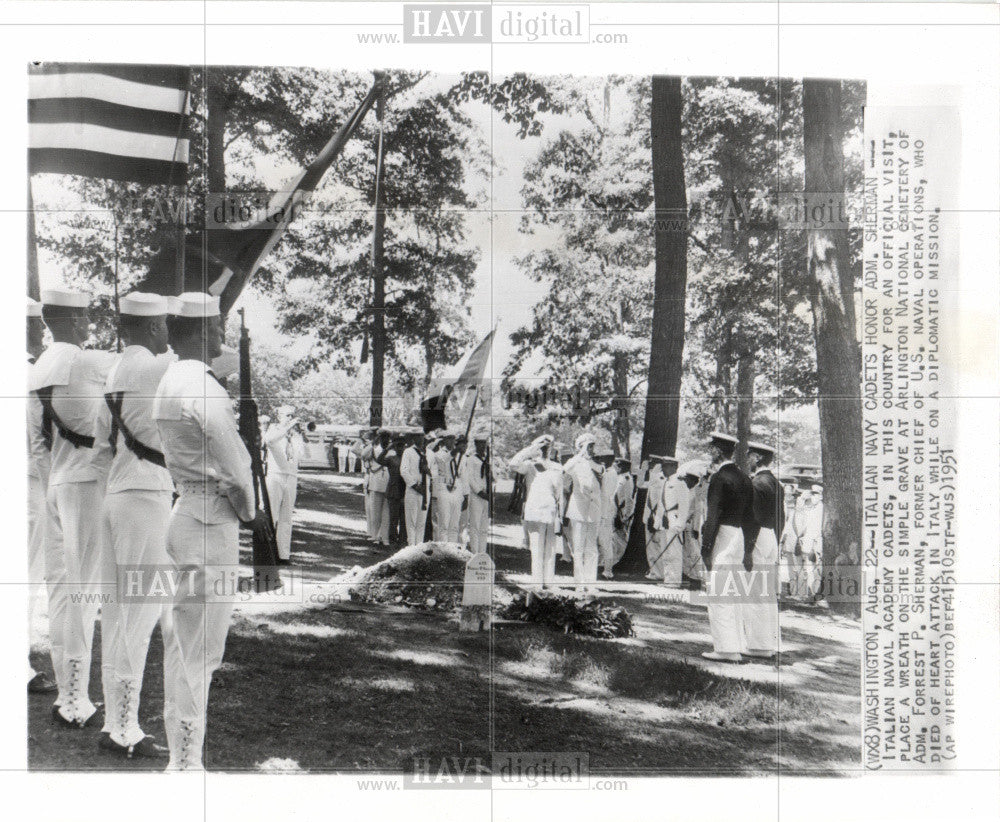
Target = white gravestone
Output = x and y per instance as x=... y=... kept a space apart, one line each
x=477 y=593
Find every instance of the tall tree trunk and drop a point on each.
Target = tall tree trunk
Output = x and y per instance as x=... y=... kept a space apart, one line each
x=659 y=435
x=746 y=370
x=215 y=132
x=838 y=355
x=620 y=428
x=378 y=275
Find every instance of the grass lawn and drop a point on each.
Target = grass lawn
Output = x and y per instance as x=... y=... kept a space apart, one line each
x=342 y=688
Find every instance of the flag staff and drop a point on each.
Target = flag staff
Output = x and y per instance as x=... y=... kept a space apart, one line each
x=378 y=267
x=33 y=286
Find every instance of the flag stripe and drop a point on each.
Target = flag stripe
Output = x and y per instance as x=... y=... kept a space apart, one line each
x=109 y=166
x=75 y=110
x=110 y=89
x=87 y=137
x=154 y=75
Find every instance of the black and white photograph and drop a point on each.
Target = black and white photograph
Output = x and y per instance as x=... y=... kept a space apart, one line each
x=444 y=426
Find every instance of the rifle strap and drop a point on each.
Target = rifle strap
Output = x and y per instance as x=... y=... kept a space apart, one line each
x=141 y=450
x=51 y=418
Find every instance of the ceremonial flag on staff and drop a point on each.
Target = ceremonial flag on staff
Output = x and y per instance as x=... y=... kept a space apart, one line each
x=119 y=122
x=223 y=258
x=468 y=371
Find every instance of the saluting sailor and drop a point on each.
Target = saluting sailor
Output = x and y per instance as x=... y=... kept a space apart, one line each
x=69 y=384
x=583 y=511
x=543 y=502
x=285 y=449
x=38 y=479
x=211 y=468
x=135 y=512
x=478 y=479
x=763 y=633
x=727 y=549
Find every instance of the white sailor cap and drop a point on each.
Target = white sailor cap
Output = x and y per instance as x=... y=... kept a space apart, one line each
x=544 y=439
x=760 y=448
x=692 y=468
x=603 y=452
x=481 y=435
x=65 y=298
x=34 y=308
x=719 y=436
x=195 y=304
x=661 y=458
x=817 y=487
x=583 y=440
x=140 y=304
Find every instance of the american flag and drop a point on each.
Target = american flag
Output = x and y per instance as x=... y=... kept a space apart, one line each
x=222 y=259
x=118 y=122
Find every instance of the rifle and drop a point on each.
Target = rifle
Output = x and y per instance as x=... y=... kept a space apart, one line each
x=265 y=544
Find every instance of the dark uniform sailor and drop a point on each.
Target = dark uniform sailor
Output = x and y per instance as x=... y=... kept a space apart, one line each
x=727 y=548
x=763 y=635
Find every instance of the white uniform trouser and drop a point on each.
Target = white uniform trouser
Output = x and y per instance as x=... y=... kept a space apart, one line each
x=725 y=585
x=281 y=489
x=694 y=568
x=370 y=514
x=342 y=459
x=415 y=516
x=352 y=461
x=135 y=524
x=479 y=515
x=380 y=517
x=606 y=543
x=196 y=639
x=666 y=555
x=449 y=508
x=761 y=610
x=584 y=545
x=73 y=563
x=542 y=544
x=37 y=597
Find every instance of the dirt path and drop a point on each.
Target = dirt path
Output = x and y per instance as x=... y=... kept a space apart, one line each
x=335 y=688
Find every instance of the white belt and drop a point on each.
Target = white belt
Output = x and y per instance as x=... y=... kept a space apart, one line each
x=201 y=488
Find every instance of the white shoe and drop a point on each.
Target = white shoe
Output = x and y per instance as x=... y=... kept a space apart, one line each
x=760 y=654
x=721 y=657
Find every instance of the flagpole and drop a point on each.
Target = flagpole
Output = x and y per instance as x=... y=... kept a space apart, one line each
x=33 y=286
x=378 y=270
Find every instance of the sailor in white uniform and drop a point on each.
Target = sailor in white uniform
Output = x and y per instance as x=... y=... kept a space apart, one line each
x=658 y=469
x=583 y=510
x=669 y=517
x=38 y=479
x=449 y=489
x=476 y=473
x=543 y=502
x=606 y=527
x=414 y=470
x=285 y=449
x=68 y=381
x=135 y=513
x=211 y=468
